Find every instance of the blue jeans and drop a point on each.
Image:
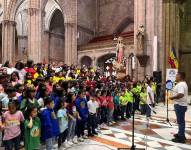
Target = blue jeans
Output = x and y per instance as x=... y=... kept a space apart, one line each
x=148 y=111
x=180 y=117
x=49 y=143
x=9 y=144
x=71 y=129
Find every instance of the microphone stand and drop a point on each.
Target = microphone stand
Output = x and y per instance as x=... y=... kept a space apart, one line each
x=133 y=127
x=167 y=119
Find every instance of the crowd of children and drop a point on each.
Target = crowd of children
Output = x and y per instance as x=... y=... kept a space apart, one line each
x=52 y=105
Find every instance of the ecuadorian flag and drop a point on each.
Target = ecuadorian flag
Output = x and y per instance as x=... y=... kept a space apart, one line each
x=172 y=59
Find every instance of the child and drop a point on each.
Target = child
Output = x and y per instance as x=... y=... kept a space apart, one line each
x=29 y=99
x=143 y=98
x=123 y=102
x=116 y=106
x=49 y=124
x=82 y=108
x=11 y=95
x=110 y=107
x=62 y=116
x=32 y=129
x=12 y=131
x=129 y=95
x=73 y=115
x=92 y=107
x=104 y=110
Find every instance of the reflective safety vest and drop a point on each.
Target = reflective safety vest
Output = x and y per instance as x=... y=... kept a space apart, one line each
x=129 y=96
x=154 y=87
x=143 y=97
x=123 y=100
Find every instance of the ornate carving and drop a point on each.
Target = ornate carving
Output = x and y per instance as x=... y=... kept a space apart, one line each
x=32 y=11
x=140 y=38
x=9 y=22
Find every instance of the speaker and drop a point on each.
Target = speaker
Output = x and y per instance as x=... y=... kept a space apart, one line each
x=157 y=76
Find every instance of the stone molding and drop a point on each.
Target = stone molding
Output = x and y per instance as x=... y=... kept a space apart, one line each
x=33 y=11
x=9 y=22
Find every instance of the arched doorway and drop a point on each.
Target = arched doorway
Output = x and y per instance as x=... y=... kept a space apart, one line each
x=105 y=62
x=56 y=37
x=86 y=60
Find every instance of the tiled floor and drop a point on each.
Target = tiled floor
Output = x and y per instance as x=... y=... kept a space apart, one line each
x=153 y=135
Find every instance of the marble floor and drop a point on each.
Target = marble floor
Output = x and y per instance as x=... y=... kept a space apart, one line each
x=153 y=135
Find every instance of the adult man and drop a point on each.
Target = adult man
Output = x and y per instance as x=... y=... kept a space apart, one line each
x=180 y=96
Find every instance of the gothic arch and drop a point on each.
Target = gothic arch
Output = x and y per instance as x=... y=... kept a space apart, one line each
x=67 y=7
x=50 y=9
x=12 y=9
x=102 y=59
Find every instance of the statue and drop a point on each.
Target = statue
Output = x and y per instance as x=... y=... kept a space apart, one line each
x=140 y=38
x=25 y=55
x=120 y=51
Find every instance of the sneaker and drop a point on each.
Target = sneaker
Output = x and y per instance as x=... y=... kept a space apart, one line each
x=95 y=133
x=85 y=137
x=113 y=122
x=55 y=146
x=176 y=136
x=80 y=139
x=65 y=145
x=70 y=143
x=75 y=141
x=178 y=140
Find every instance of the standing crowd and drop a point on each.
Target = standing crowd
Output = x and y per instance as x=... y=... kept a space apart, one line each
x=53 y=105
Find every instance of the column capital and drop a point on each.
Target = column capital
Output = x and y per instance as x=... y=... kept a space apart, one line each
x=71 y=24
x=9 y=22
x=32 y=11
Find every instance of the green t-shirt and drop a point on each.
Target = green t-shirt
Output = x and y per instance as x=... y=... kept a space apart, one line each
x=116 y=100
x=32 y=135
x=25 y=104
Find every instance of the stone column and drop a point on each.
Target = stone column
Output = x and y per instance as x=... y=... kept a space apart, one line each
x=45 y=46
x=8 y=41
x=70 y=43
x=34 y=30
x=139 y=19
x=22 y=47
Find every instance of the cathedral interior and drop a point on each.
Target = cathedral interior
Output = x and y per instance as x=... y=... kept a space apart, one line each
x=83 y=32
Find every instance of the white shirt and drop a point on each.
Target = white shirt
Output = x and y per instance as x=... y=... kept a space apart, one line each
x=149 y=90
x=92 y=106
x=181 y=88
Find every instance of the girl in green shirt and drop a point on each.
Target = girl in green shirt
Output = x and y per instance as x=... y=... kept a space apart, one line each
x=32 y=126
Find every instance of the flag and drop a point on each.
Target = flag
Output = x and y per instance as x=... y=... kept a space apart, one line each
x=172 y=59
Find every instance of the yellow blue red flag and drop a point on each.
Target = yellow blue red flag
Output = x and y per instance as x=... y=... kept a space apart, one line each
x=172 y=59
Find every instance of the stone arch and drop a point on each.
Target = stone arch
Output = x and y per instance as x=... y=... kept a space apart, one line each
x=102 y=59
x=86 y=60
x=50 y=9
x=66 y=7
x=12 y=9
x=56 y=48
x=123 y=25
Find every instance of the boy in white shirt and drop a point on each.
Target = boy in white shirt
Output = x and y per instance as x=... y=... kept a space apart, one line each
x=92 y=107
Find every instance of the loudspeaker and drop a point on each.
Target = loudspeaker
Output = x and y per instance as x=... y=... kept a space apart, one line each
x=157 y=76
